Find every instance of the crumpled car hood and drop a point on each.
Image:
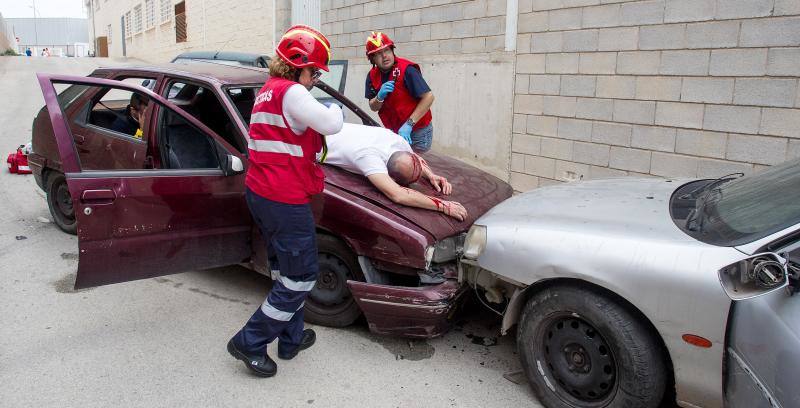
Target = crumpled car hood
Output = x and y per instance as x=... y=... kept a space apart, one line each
x=628 y=207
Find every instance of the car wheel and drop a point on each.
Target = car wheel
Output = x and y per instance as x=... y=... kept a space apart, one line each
x=330 y=303
x=579 y=348
x=60 y=203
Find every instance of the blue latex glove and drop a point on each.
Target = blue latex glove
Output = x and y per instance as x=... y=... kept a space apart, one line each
x=386 y=89
x=405 y=131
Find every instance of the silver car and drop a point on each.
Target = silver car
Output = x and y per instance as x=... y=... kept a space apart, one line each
x=638 y=292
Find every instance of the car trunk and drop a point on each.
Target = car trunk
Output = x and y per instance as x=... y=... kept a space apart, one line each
x=476 y=190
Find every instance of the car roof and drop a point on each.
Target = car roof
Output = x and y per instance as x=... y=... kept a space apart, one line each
x=221 y=55
x=220 y=73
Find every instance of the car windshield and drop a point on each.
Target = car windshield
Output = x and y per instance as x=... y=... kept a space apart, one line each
x=243 y=98
x=750 y=208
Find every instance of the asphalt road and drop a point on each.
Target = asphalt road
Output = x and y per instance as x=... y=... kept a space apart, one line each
x=161 y=342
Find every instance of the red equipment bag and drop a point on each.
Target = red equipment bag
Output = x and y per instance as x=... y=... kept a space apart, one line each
x=18 y=162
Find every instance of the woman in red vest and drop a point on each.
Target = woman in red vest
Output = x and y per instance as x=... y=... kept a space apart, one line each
x=396 y=90
x=286 y=139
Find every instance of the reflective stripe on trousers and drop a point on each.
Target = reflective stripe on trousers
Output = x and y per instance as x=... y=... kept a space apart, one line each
x=290 y=234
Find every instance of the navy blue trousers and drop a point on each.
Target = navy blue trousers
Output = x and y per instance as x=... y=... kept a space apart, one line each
x=291 y=237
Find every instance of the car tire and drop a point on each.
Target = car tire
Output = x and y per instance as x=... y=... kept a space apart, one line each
x=59 y=201
x=580 y=348
x=330 y=303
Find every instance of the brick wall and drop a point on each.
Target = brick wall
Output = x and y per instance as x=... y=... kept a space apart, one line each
x=674 y=88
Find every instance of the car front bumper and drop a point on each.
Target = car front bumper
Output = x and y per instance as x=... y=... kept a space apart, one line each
x=416 y=312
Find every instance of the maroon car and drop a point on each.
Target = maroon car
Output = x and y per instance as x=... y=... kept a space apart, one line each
x=170 y=198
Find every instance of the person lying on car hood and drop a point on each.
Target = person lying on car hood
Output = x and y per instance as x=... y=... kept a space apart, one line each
x=386 y=159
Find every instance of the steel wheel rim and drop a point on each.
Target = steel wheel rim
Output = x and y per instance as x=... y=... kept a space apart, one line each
x=63 y=201
x=579 y=361
x=331 y=288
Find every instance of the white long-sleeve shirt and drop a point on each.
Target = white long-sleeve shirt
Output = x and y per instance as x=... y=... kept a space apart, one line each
x=302 y=110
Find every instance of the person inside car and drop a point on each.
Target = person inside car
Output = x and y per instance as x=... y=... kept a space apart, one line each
x=388 y=161
x=130 y=123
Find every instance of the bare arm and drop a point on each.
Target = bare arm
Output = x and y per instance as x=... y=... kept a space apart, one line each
x=375 y=104
x=423 y=106
x=412 y=198
x=438 y=183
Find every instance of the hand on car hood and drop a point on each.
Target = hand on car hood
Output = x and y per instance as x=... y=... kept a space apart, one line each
x=625 y=207
x=476 y=190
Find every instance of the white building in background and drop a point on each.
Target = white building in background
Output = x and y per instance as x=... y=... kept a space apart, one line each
x=158 y=30
x=7 y=40
x=62 y=36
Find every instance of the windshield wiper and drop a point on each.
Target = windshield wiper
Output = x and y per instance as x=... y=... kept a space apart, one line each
x=694 y=222
x=696 y=219
x=694 y=193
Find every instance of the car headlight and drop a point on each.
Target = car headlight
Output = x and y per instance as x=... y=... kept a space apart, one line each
x=475 y=242
x=444 y=250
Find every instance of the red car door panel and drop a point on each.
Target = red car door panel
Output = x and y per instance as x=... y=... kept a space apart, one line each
x=135 y=224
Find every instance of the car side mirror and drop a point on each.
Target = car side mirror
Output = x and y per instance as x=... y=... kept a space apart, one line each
x=755 y=276
x=233 y=165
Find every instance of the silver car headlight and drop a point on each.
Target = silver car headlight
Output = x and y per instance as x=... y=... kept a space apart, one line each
x=475 y=242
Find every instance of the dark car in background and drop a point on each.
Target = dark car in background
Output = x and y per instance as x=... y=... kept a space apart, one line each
x=173 y=200
x=245 y=59
x=335 y=77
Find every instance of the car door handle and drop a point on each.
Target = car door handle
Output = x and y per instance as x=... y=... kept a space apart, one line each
x=98 y=196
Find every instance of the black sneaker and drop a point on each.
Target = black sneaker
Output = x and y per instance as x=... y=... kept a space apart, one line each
x=309 y=337
x=261 y=366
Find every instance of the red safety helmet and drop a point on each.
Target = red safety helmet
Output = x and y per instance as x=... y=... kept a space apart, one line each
x=378 y=41
x=303 y=46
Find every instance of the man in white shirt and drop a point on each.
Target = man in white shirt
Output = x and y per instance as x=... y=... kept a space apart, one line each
x=387 y=160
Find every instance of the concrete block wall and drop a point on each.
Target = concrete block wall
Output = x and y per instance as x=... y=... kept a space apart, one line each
x=672 y=88
x=418 y=27
x=460 y=48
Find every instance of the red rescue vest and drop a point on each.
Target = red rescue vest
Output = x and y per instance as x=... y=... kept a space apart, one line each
x=398 y=105
x=283 y=165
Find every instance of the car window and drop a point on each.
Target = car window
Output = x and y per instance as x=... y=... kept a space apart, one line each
x=119 y=94
x=202 y=103
x=333 y=77
x=184 y=146
x=350 y=116
x=68 y=94
x=110 y=132
x=243 y=98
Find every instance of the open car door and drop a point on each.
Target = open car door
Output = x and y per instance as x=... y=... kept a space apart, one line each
x=182 y=208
